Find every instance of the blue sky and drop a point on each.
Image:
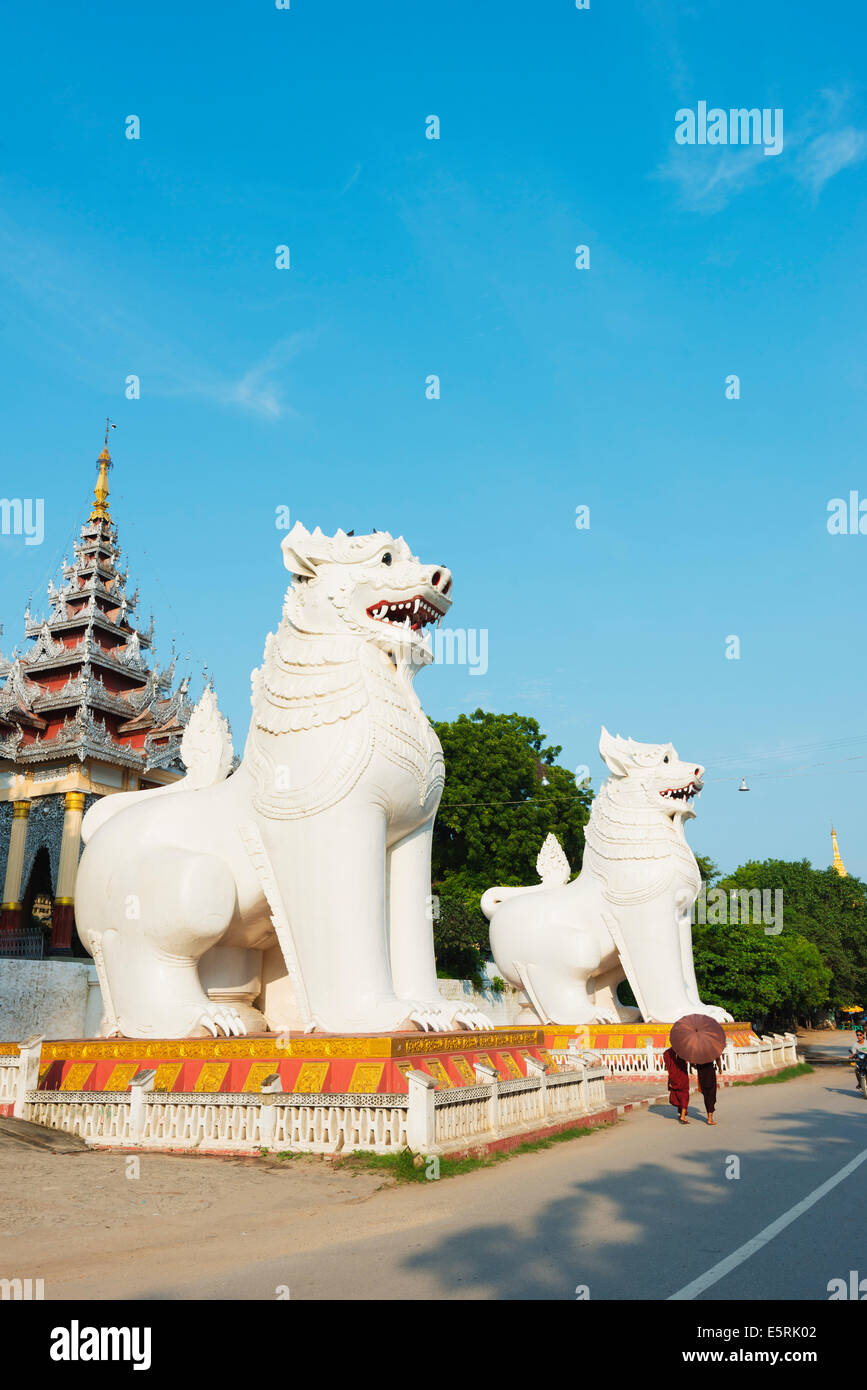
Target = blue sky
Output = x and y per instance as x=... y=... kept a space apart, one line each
x=560 y=387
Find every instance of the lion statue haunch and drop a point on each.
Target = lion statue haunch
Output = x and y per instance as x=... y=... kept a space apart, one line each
x=311 y=863
x=627 y=914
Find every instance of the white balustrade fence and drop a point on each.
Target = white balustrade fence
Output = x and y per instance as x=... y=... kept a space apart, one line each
x=426 y=1120
x=476 y=1114
x=9 y=1068
x=769 y=1054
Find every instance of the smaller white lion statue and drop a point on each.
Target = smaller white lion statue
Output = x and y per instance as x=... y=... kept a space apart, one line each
x=627 y=914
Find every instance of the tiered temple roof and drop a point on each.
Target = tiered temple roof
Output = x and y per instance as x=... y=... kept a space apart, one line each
x=88 y=686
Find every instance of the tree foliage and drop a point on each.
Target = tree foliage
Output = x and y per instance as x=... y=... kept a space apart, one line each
x=771 y=981
x=504 y=793
x=460 y=936
x=821 y=907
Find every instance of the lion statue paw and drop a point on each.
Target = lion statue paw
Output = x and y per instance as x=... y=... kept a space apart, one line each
x=470 y=1017
x=226 y=1020
x=605 y=1016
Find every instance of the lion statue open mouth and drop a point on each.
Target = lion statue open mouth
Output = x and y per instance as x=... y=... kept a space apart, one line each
x=309 y=867
x=626 y=915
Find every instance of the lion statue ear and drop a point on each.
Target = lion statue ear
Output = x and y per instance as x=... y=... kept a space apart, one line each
x=296 y=552
x=615 y=753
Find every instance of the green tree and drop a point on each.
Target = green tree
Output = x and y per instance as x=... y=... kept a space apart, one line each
x=460 y=936
x=708 y=869
x=504 y=793
x=768 y=980
x=821 y=907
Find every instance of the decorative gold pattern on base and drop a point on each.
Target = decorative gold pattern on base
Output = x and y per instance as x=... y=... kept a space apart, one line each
x=288 y=1045
x=211 y=1077
x=311 y=1077
x=121 y=1076
x=366 y=1077
x=464 y=1070
x=167 y=1075
x=76 y=1076
x=256 y=1075
x=419 y=1044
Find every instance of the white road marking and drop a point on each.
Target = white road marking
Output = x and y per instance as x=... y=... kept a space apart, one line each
x=743 y=1252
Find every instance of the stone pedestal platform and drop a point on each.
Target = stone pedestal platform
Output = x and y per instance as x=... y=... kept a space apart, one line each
x=606 y=1036
x=434 y=1093
x=363 y=1064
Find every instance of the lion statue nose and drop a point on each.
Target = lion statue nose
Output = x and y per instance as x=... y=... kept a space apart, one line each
x=442 y=579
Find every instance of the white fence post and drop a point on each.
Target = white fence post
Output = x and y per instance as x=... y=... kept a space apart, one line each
x=267 y=1114
x=421 y=1114
x=139 y=1086
x=585 y=1091
x=537 y=1068
x=489 y=1076
x=29 y=1053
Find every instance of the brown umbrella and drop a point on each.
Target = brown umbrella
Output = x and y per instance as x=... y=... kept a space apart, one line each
x=697 y=1038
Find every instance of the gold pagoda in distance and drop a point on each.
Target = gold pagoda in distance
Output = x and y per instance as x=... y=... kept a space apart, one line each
x=84 y=712
x=838 y=866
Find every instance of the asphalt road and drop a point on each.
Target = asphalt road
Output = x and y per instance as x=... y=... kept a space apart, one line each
x=640 y=1211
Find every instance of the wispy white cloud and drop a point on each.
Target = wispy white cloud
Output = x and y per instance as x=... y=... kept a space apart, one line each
x=257 y=389
x=707 y=177
x=353 y=177
x=77 y=316
x=828 y=154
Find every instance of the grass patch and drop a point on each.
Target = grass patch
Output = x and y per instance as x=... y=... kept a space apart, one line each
x=787 y=1074
x=578 y=1132
x=402 y=1166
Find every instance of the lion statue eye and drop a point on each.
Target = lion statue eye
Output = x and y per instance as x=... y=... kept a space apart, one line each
x=386 y=559
x=665 y=759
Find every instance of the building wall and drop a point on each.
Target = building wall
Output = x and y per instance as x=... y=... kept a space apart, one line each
x=501 y=1009
x=57 y=998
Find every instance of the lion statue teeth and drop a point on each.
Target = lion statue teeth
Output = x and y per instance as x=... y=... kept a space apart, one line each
x=308 y=868
x=627 y=915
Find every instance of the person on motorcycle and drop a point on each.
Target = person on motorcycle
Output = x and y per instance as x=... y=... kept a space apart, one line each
x=859 y=1053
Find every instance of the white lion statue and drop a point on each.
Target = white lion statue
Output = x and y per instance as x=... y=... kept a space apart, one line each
x=312 y=860
x=626 y=915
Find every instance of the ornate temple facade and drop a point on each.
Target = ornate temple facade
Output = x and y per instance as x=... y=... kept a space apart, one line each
x=84 y=712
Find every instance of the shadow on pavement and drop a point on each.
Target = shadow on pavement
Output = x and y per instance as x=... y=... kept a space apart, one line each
x=663 y=1226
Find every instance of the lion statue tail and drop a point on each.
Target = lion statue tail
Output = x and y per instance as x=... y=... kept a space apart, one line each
x=494 y=896
x=552 y=866
x=206 y=752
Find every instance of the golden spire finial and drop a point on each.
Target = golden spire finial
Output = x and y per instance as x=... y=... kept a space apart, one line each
x=838 y=864
x=100 y=510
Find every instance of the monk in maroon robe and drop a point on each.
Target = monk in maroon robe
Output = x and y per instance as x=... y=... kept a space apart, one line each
x=678 y=1082
x=706 y=1072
